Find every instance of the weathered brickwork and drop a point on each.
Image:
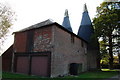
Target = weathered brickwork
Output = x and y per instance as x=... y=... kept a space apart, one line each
x=93 y=54
x=65 y=52
x=42 y=39
x=92 y=58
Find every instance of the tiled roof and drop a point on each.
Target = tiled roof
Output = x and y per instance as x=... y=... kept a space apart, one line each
x=86 y=28
x=38 y=25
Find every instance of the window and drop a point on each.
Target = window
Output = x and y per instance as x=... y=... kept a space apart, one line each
x=85 y=50
x=82 y=44
x=72 y=38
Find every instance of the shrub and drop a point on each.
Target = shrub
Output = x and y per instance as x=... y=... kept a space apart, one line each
x=116 y=66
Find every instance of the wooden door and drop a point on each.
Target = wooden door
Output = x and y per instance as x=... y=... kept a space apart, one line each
x=39 y=65
x=22 y=64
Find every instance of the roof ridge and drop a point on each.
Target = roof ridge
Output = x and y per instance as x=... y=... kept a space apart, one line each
x=43 y=23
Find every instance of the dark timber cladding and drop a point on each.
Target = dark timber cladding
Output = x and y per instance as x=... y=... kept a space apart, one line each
x=30 y=40
x=35 y=63
x=20 y=42
x=7 y=59
x=22 y=60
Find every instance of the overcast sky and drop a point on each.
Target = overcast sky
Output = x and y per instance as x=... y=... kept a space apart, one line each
x=29 y=12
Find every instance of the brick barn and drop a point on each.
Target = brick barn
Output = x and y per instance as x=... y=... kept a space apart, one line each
x=50 y=49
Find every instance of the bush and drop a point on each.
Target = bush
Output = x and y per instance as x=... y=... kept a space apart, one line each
x=104 y=66
x=116 y=66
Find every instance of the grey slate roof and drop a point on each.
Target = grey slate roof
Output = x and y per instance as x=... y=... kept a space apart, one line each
x=38 y=25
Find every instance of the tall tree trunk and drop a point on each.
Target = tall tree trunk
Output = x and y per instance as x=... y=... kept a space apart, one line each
x=98 y=55
x=119 y=57
x=110 y=53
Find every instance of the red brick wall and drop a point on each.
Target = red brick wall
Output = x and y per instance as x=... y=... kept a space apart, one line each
x=20 y=42
x=42 y=39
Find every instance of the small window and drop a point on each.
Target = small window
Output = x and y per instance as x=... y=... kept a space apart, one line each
x=82 y=44
x=85 y=50
x=72 y=38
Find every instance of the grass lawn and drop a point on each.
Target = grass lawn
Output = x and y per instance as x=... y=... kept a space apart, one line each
x=96 y=75
x=13 y=75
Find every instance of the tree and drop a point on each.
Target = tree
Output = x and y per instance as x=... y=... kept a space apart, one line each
x=116 y=41
x=6 y=19
x=105 y=22
x=103 y=51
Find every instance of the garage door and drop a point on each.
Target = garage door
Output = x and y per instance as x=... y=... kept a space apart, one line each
x=39 y=65
x=22 y=65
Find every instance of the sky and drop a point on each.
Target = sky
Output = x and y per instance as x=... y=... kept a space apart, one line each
x=30 y=12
